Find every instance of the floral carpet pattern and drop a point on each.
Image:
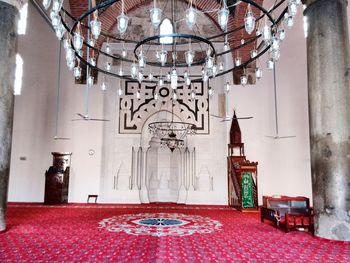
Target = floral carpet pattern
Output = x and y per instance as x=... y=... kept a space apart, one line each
x=72 y=233
x=161 y=224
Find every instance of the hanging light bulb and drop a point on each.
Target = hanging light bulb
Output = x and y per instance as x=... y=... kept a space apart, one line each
x=163 y=56
x=227 y=87
x=168 y=76
x=186 y=74
x=55 y=19
x=244 y=80
x=249 y=20
x=258 y=32
x=108 y=48
x=124 y=53
x=226 y=46
x=189 y=56
x=56 y=5
x=214 y=70
x=70 y=64
x=66 y=43
x=150 y=76
x=188 y=81
x=120 y=91
x=95 y=26
x=161 y=82
x=93 y=61
x=253 y=53
x=275 y=44
x=275 y=54
x=266 y=34
x=205 y=77
x=292 y=9
x=60 y=30
x=120 y=71
x=138 y=94
x=133 y=70
x=238 y=61
x=122 y=21
x=290 y=22
x=46 y=4
x=155 y=96
x=92 y=42
x=103 y=86
x=174 y=96
x=78 y=41
x=77 y=72
x=156 y=16
x=209 y=62
x=108 y=66
x=173 y=79
x=70 y=56
x=270 y=64
x=140 y=76
x=258 y=73
x=142 y=60
x=282 y=34
x=90 y=80
x=191 y=17
x=221 y=66
x=223 y=17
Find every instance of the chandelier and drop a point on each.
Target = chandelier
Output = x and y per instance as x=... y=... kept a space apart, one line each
x=172 y=133
x=156 y=59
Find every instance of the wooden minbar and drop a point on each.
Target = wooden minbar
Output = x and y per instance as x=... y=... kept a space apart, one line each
x=242 y=174
x=57 y=179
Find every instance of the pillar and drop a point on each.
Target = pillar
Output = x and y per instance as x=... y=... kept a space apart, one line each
x=8 y=49
x=329 y=115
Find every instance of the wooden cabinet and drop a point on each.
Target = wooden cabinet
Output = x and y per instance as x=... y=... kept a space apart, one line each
x=288 y=212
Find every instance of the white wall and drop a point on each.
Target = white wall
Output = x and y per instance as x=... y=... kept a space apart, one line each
x=284 y=165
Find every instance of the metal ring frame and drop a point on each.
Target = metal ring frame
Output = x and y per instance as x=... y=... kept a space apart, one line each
x=107 y=3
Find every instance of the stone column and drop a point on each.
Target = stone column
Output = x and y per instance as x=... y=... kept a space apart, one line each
x=329 y=113
x=8 y=49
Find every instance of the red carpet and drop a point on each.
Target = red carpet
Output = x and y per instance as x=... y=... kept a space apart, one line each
x=98 y=233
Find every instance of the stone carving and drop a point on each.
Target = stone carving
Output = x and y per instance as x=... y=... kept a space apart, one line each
x=134 y=112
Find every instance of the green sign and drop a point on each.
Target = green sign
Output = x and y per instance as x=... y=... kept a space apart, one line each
x=247 y=190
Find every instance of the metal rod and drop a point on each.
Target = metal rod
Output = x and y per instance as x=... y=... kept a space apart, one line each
x=275 y=98
x=58 y=87
x=87 y=89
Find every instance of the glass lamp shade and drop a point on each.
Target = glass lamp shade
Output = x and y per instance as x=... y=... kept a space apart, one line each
x=92 y=42
x=186 y=74
x=60 y=30
x=150 y=76
x=120 y=92
x=93 y=62
x=78 y=41
x=71 y=64
x=80 y=53
x=226 y=46
x=77 y=72
x=191 y=17
x=103 y=86
x=210 y=92
x=55 y=19
x=173 y=79
x=155 y=96
x=189 y=55
x=168 y=76
x=138 y=94
x=214 y=70
x=160 y=82
x=292 y=9
x=46 y=4
x=270 y=64
x=156 y=16
x=123 y=21
x=70 y=56
x=188 y=81
x=108 y=66
x=221 y=66
x=253 y=53
x=227 y=87
x=133 y=71
x=205 y=77
x=249 y=22
x=108 y=48
x=238 y=61
x=66 y=43
x=121 y=73
x=193 y=94
x=90 y=80
x=282 y=34
x=174 y=96
x=209 y=62
x=142 y=61
x=289 y=21
x=275 y=44
x=163 y=56
x=140 y=76
x=223 y=18
x=266 y=34
x=258 y=73
x=276 y=54
x=56 y=5
x=95 y=26
x=124 y=53
x=244 y=80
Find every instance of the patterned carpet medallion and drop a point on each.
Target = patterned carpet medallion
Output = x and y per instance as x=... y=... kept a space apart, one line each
x=160 y=224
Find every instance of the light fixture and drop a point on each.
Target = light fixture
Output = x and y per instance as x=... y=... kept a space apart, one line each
x=90 y=81
x=156 y=15
x=120 y=91
x=123 y=21
x=258 y=73
x=244 y=79
x=150 y=54
x=249 y=20
x=46 y=4
x=108 y=66
x=77 y=72
x=191 y=16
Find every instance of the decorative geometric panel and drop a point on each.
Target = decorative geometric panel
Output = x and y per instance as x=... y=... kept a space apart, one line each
x=133 y=112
